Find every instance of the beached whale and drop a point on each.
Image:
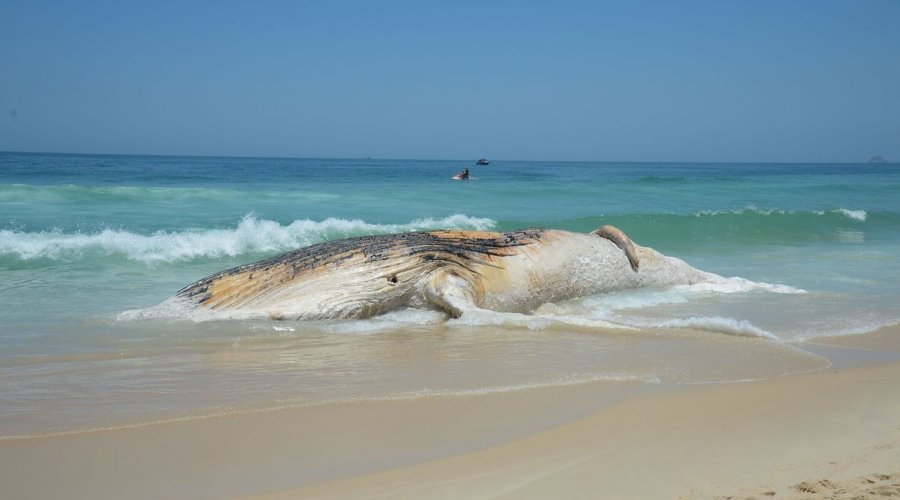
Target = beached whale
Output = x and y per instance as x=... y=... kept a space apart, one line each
x=452 y=271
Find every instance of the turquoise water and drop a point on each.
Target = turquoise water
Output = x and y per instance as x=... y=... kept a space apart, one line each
x=86 y=238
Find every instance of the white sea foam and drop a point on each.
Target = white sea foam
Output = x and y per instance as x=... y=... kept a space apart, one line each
x=407 y=317
x=172 y=308
x=729 y=326
x=176 y=309
x=534 y=322
x=603 y=311
x=604 y=306
x=846 y=327
x=250 y=235
x=857 y=215
x=736 y=284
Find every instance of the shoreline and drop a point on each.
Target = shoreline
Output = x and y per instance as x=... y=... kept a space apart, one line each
x=628 y=440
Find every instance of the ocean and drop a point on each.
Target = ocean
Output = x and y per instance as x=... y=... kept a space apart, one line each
x=810 y=250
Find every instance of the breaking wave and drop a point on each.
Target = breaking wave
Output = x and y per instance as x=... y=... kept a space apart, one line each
x=250 y=236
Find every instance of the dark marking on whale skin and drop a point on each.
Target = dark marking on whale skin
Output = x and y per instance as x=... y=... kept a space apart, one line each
x=462 y=248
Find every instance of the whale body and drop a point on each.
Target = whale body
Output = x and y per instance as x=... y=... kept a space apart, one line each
x=453 y=271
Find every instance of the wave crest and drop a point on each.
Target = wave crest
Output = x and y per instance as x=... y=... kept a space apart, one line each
x=857 y=215
x=251 y=235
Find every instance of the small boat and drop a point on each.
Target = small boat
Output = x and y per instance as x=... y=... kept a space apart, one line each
x=482 y=161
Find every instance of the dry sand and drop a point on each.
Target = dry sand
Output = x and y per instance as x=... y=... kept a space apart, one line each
x=829 y=434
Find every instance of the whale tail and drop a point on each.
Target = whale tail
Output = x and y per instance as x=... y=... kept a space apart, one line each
x=622 y=241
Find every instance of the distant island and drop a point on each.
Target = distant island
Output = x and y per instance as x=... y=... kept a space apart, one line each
x=877 y=159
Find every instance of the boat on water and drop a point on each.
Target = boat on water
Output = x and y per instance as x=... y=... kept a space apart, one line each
x=482 y=161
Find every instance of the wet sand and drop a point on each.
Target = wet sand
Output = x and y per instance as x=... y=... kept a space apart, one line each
x=254 y=452
x=730 y=440
x=833 y=433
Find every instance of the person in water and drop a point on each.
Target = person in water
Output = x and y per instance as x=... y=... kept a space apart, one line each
x=464 y=174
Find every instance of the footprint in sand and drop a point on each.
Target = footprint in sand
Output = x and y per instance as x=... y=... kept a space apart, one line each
x=820 y=486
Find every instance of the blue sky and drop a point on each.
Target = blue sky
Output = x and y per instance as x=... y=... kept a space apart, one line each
x=617 y=81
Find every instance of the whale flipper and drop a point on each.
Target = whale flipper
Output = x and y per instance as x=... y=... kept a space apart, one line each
x=449 y=292
x=622 y=241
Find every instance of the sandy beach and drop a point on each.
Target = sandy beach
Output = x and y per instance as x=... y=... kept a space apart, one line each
x=239 y=257
x=832 y=433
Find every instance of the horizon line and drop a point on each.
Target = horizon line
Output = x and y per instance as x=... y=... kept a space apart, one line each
x=263 y=157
